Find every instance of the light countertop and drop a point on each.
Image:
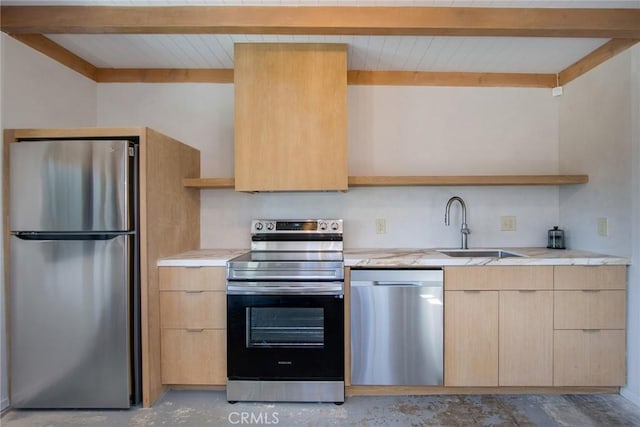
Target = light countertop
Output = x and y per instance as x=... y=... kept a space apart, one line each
x=431 y=257
x=407 y=257
x=201 y=258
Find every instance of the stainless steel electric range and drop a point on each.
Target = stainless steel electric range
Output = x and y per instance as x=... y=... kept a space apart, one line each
x=285 y=314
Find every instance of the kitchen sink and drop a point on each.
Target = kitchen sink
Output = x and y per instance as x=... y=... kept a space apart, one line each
x=470 y=253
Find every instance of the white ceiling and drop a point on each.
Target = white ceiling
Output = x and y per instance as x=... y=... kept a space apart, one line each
x=397 y=53
x=390 y=53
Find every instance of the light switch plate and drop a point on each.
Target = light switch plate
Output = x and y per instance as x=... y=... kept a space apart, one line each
x=381 y=226
x=603 y=227
x=508 y=223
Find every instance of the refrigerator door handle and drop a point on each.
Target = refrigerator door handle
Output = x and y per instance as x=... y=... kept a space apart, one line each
x=38 y=235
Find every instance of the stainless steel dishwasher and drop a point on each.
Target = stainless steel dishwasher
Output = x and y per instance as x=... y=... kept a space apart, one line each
x=396 y=327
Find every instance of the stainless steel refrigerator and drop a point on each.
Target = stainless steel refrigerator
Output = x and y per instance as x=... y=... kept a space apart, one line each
x=73 y=274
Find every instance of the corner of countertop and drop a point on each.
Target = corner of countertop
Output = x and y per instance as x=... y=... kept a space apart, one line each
x=201 y=258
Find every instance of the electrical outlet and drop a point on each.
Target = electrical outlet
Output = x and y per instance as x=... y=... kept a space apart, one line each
x=508 y=223
x=381 y=226
x=603 y=227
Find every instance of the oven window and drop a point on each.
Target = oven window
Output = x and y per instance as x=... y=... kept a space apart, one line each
x=285 y=327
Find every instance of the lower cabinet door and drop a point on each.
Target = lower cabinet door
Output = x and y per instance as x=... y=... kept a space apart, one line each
x=471 y=338
x=194 y=356
x=589 y=357
x=526 y=338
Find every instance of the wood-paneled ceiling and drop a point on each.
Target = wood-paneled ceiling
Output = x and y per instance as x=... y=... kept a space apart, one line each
x=534 y=43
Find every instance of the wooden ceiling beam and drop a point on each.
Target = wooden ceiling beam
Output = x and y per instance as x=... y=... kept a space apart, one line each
x=336 y=20
x=464 y=79
x=58 y=53
x=165 y=75
x=355 y=77
x=595 y=58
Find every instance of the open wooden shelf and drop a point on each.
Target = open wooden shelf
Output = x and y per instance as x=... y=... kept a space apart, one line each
x=439 y=180
x=384 y=181
x=209 y=182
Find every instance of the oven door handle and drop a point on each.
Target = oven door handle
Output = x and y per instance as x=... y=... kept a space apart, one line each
x=273 y=273
x=281 y=288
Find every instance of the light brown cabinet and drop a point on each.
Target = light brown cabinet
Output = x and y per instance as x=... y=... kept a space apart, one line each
x=190 y=356
x=290 y=117
x=526 y=338
x=471 y=338
x=498 y=326
x=589 y=325
x=193 y=323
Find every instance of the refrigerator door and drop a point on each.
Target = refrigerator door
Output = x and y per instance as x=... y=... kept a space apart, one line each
x=70 y=318
x=70 y=185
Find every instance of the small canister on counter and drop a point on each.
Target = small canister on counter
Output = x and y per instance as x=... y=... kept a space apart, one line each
x=555 y=238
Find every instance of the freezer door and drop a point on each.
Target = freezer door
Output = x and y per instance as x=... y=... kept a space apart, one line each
x=69 y=322
x=69 y=185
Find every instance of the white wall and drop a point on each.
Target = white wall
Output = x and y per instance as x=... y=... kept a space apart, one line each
x=392 y=130
x=632 y=391
x=595 y=138
x=457 y=131
x=37 y=92
x=599 y=135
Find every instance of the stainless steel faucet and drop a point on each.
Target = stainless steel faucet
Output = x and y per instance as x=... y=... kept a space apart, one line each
x=464 y=230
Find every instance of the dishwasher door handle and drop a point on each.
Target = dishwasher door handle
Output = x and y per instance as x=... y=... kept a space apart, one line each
x=394 y=283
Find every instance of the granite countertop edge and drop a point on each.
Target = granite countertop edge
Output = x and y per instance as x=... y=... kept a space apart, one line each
x=413 y=257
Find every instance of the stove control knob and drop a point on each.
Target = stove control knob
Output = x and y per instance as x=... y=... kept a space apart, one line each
x=323 y=226
x=270 y=226
x=335 y=226
x=259 y=226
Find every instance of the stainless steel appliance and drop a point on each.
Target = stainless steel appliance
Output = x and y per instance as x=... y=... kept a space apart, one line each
x=73 y=288
x=285 y=314
x=396 y=327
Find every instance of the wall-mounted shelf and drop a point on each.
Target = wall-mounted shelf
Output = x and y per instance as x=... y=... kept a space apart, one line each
x=209 y=182
x=439 y=180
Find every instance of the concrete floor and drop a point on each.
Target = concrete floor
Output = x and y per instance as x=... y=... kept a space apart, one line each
x=210 y=408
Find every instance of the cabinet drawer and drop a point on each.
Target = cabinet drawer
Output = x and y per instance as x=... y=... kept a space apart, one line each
x=589 y=358
x=195 y=357
x=498 y=278
x=192 y=278
x=589 y=310
x=574 y=277
x=180 y=309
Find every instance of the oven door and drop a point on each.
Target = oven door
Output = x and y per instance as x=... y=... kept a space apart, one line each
x=285 y=337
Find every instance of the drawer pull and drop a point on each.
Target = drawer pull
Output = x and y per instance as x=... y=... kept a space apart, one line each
x=591 y=330
x=526 y=291
x=471 y=292
x=195 y=330
x=192 y=266
x=591 y=290
x=193 y=292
